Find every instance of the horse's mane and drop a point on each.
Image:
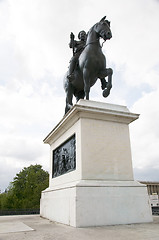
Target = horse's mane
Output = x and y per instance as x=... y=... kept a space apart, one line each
x=91 y=29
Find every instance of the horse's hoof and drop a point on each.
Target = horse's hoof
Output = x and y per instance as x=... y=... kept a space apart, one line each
x=68 y=107
x=106 y=92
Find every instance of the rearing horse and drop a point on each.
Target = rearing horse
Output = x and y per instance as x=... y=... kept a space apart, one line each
x=91 y=66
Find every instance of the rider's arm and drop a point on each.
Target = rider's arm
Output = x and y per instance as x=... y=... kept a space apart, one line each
x=72 y=43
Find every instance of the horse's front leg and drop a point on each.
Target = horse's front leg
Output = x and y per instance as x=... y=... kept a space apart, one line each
x=103 y=83
x=106 y=86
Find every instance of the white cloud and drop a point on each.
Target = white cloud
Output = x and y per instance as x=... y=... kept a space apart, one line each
x=136 y=30
x=35 y=55
x=146 y=174
x=145 y=133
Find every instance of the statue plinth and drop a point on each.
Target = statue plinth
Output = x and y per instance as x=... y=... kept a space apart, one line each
x=91 y=178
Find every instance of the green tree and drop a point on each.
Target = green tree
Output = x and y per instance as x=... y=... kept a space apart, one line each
x=25 y=190
x=7 y=199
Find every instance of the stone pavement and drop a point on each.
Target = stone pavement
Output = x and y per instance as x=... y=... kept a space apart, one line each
x=33 y=227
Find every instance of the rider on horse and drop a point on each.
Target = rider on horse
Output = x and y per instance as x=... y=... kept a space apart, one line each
x=77 y=47
x=88 y=64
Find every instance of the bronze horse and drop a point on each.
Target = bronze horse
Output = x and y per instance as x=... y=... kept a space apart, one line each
x=91 y=66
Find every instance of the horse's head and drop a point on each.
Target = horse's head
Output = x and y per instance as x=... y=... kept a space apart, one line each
x=103 y=29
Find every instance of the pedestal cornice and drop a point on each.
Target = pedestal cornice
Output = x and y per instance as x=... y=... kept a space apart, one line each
x=94 y=110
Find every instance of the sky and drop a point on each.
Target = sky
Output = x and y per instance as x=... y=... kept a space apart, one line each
x=34 y=56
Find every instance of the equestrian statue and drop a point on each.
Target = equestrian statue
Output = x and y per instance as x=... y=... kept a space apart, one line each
x=88 y=64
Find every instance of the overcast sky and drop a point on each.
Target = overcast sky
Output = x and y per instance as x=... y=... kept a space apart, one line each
x=34 y=56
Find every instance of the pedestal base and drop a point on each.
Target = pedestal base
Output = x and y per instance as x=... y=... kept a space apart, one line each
x=97 y=203
x=98 y=189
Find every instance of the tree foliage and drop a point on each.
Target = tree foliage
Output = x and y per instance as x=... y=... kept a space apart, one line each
x=25 y=190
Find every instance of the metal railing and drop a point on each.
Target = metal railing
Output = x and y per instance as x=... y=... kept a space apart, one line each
x=19 y=212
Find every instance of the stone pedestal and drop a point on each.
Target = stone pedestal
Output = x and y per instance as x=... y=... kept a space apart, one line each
x=99 y=189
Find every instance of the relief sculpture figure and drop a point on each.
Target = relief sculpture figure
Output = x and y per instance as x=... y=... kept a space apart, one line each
x=88 y=64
